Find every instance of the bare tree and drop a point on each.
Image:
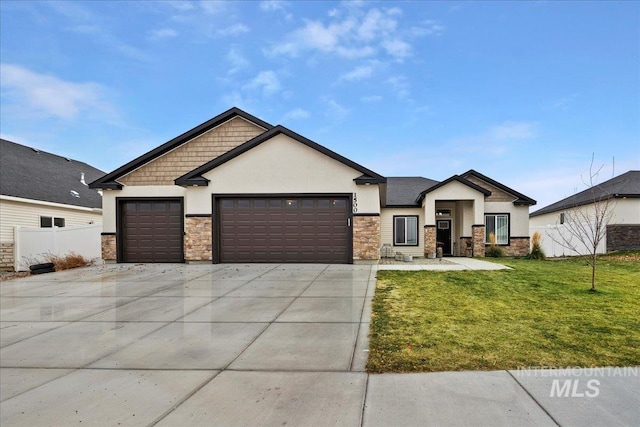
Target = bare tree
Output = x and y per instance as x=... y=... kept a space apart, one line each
x=584 y=226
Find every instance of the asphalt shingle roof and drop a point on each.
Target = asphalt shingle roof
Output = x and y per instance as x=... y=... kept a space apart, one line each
x=404 y=191
x=33 y=174
x=625 y=185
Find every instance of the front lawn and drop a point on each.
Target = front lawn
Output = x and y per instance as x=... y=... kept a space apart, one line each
x=540 y=313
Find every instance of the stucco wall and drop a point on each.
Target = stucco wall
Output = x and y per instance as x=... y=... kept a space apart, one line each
x=386 y=229
x=282 y=165
x=453 y=191
x=165 y=169
x=109 y=200
x=519 y=216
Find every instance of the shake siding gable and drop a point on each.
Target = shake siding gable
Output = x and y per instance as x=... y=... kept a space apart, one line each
x=165 y=169
x=497 y=195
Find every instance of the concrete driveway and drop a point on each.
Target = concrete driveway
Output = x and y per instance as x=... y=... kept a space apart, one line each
x=177 y=345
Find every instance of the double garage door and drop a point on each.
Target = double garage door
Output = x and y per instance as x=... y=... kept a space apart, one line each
x=288 y=229
x=284 y=229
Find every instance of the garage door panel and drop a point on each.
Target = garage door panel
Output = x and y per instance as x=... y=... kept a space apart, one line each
x=284 y=229
x=152 y=231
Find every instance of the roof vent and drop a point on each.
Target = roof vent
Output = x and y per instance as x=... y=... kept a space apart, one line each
x=82 y=181
x=74 y=193
x=36 y=150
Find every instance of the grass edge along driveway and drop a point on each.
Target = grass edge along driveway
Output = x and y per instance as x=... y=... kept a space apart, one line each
x=540 y=313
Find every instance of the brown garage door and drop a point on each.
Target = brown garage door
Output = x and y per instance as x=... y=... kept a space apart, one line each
x=151 y=230
x=284 y=229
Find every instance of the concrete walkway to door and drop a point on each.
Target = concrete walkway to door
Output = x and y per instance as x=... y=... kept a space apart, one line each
x=244 y=345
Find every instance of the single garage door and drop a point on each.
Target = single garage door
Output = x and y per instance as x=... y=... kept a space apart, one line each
x=284 y=229
x=151 y=230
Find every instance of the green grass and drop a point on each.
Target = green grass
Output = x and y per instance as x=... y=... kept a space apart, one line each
x=540 y=313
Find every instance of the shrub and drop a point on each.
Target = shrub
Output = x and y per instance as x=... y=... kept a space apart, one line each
x=66 y=262
x=536 y=249
x=493 y=251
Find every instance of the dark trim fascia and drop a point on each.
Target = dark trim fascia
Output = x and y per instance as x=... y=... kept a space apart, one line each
x=457 y=178
x=185 y=179
x=477 y=225
x=177 y=141
x=466 y=237
x=522 y=199
x=429 y=226
x=198 y=216
x=366 y=214
x=519 y=237
x=111 y=185
x=110 y=233
x=268 y=195
x=367 y=180
x=403 y=206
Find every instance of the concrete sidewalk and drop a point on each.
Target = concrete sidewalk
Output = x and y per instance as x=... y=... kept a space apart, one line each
x=246 y=345
x=453 y=263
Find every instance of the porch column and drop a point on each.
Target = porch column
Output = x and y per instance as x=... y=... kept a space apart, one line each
x=478 y=240
x=429 y=240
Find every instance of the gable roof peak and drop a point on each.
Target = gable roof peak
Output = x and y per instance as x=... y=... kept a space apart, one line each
x=109 y=181
x=195 y=176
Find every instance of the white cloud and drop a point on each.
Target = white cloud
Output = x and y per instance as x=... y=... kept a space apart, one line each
x=271 y=5
x=162 y=33
x=31 y=93
x=297 y=113
x=400 y=86
x=428 y=28
x=237 y=60
x=233 y=30
x=349 y=32
x=512 y=131
x=267 y=81
x=371 y=98
x=397 y=48
x=358 y=73
x=84 y=22
x=180 y=5
x=212 y=7
x=334 y=110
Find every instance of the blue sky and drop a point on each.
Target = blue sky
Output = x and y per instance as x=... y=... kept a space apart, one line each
x=524 y=92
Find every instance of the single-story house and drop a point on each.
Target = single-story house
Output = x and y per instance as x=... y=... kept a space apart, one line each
x=40 y=189
x=623 y=230
x=237 y=189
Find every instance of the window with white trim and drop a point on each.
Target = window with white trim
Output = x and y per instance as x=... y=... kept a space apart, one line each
x=48 y=222
x=405 y=230
x=497 y=224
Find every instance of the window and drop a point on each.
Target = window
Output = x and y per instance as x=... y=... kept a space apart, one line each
x=405 y=230
x=48 y=222
x=499 y=225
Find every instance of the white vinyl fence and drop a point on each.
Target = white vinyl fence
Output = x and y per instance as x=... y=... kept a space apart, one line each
x=32 y=245
x=553 y=249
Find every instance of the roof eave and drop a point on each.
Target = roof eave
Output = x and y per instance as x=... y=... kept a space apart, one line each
x=196 y=181
x=109 y=185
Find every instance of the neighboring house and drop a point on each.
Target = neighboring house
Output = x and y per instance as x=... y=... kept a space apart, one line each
x=623 y=230
x=237 y=189
x=40 y=189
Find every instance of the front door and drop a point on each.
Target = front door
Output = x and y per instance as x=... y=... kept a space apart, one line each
x=443 y=235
